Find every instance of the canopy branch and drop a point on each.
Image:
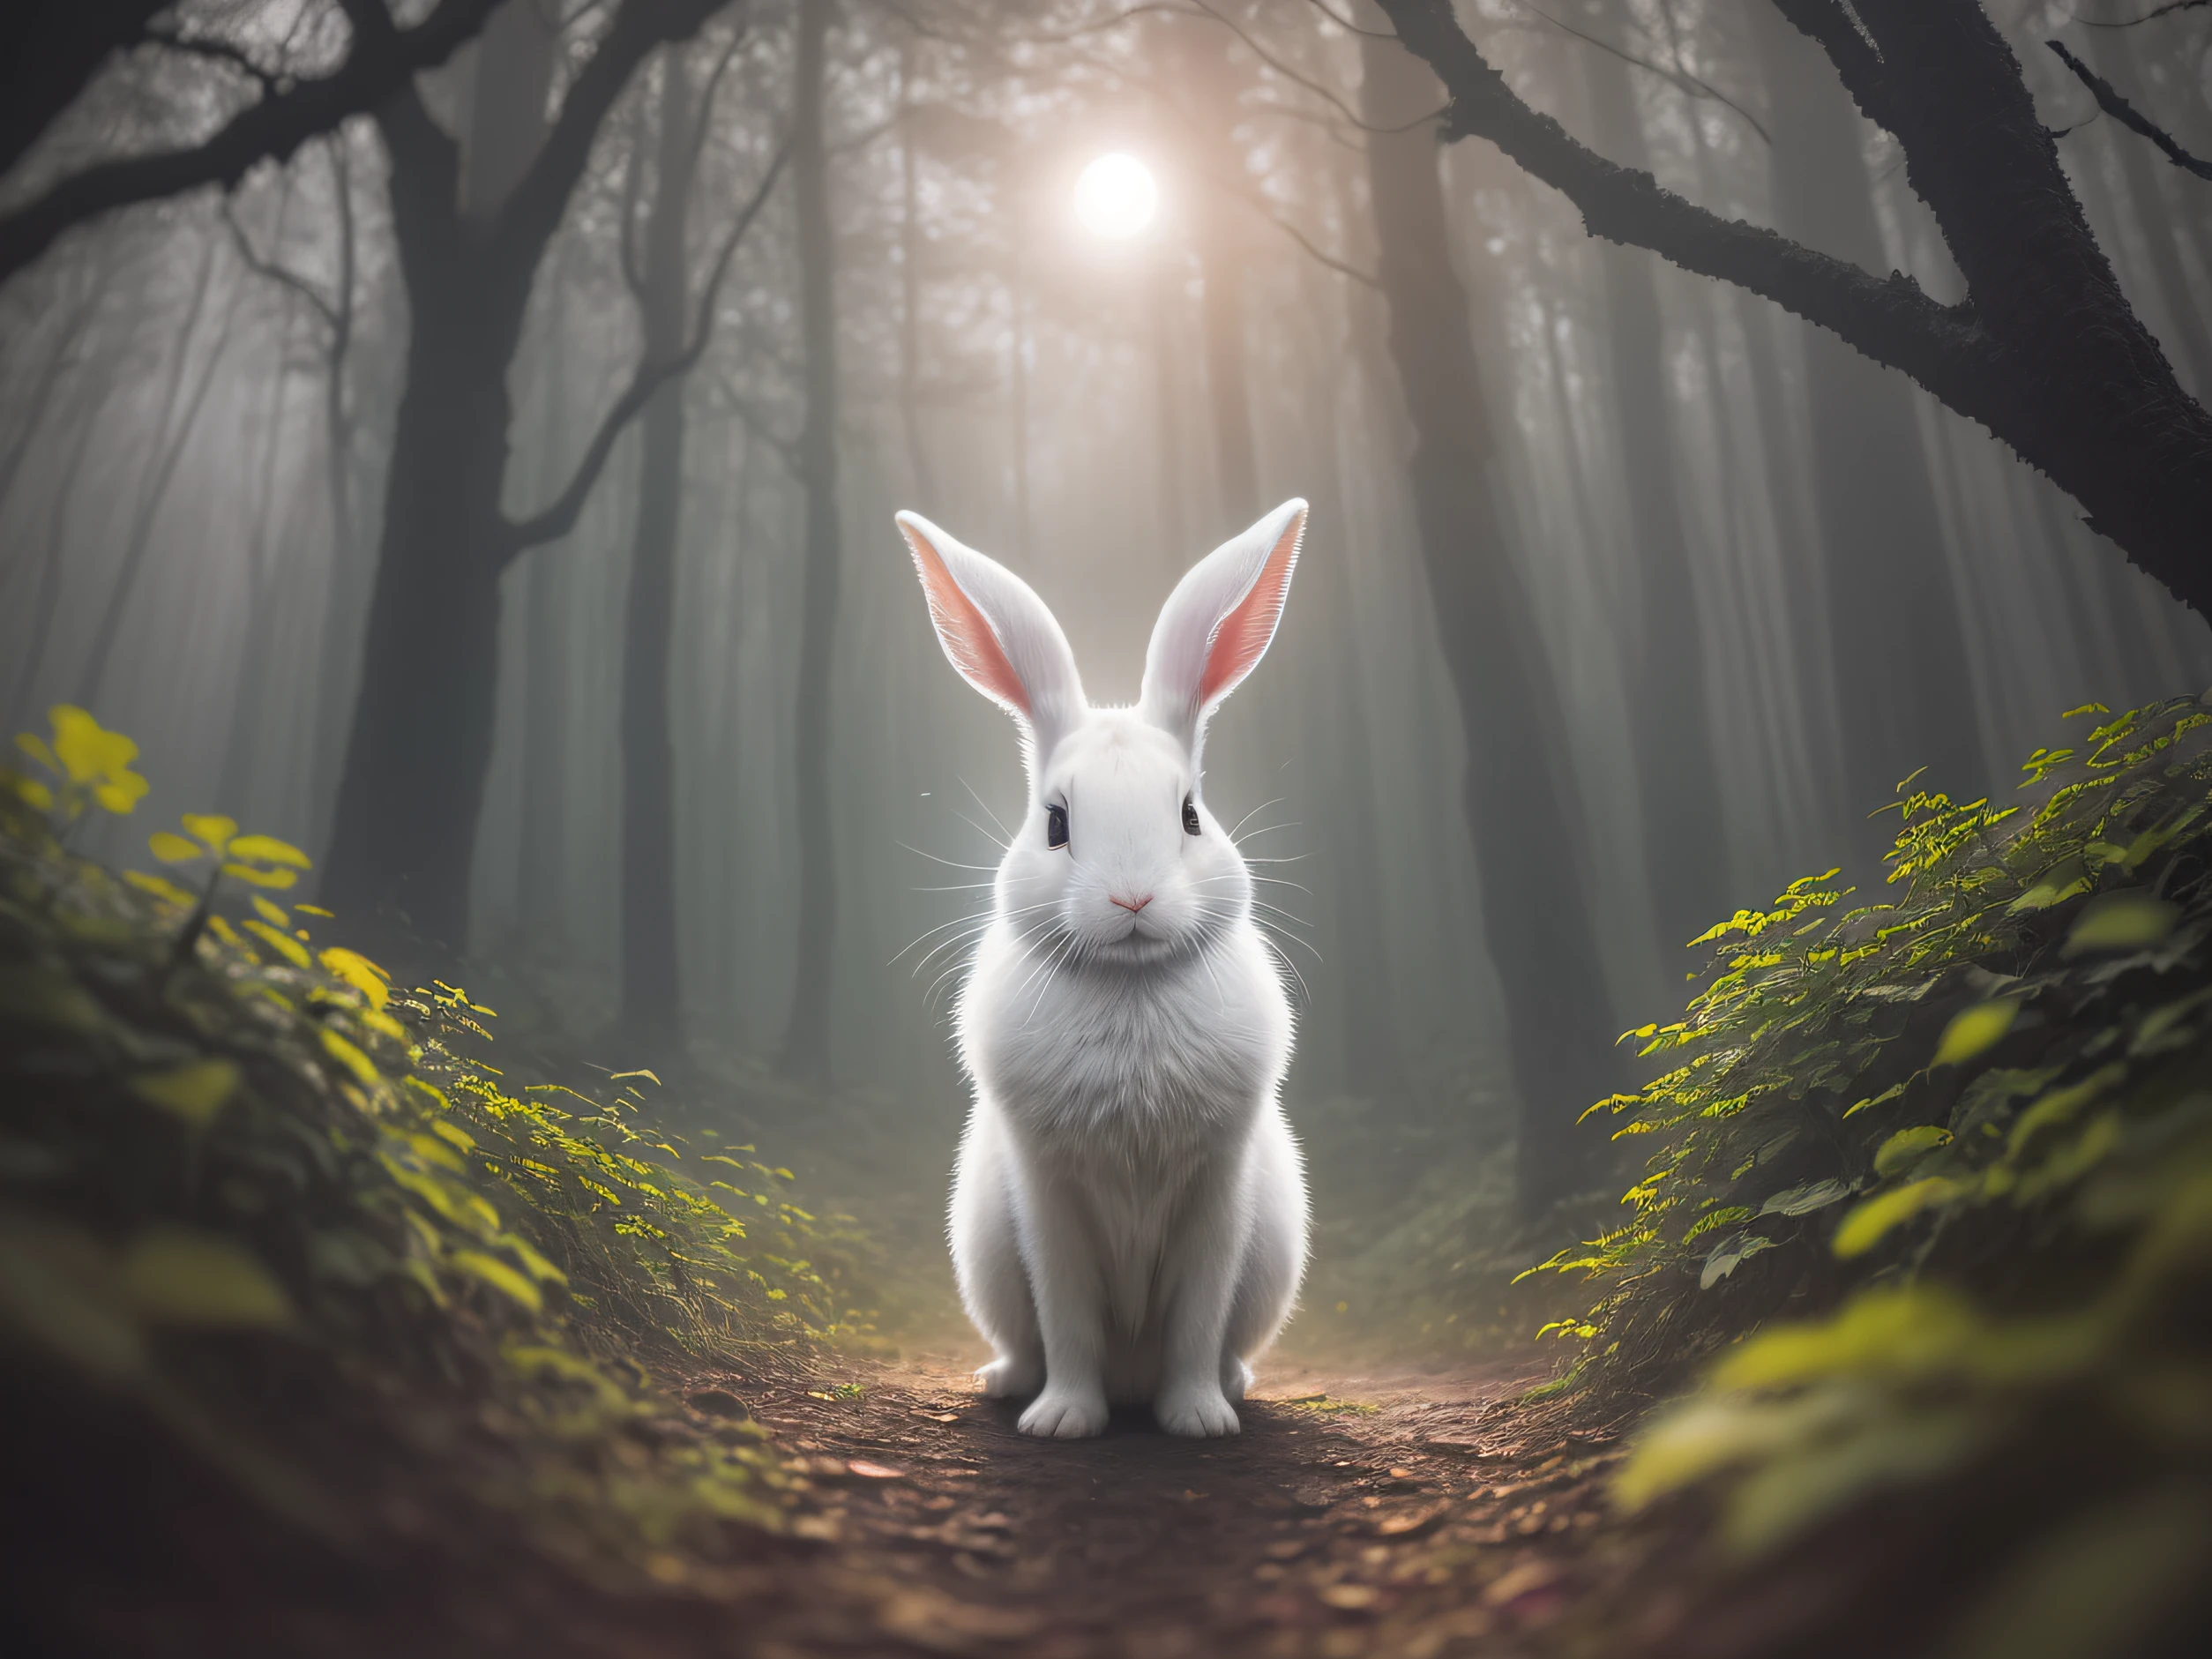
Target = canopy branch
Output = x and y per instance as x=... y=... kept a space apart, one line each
x=2111 y=103
x=380 y=61
x=556 y=520
x=1889 y=318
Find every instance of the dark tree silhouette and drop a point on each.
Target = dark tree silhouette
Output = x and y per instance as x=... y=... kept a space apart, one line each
x=1520 y=801
x=2044 y=351
x=806 y=1036
x=421 y=743
x=35 y=87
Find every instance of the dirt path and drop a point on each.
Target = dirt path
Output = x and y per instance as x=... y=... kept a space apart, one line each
x=1396 y=1514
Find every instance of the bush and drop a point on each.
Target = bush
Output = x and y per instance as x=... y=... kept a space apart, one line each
x=293 y=1224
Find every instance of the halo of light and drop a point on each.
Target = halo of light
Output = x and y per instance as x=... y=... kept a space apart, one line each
x=1116 y=196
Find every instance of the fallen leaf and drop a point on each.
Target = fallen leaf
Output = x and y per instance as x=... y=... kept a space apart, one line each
x=1407 y=1523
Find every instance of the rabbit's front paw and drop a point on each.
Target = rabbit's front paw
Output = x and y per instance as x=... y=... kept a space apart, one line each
x=1007 y=1379
x=1200 y=1413
x=1058 y=1415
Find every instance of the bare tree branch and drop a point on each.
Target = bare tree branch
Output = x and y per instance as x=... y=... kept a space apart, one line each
x=1889 y=317
x=2111 y=103
x=283 y=276
x=381 y=61
x=2155 y=13
x=559 y=519
x=532 y=209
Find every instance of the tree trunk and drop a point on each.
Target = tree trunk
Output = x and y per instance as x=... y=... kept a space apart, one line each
x=652 y=994
x=404 y=837
x=405 y=833
x=806 y=1037
x=1519 y=800
x=1903 y=693
x=1684 y=835
x=421 y=741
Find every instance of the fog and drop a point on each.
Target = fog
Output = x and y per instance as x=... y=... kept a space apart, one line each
x=199 y=400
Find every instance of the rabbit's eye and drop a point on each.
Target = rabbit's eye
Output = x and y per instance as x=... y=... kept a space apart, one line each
x=1056 y=826
x=1191 y=818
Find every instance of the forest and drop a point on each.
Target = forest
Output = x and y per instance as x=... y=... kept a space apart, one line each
x=514 y=944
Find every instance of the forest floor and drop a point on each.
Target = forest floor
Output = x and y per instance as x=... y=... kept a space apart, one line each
x=1389 y=1512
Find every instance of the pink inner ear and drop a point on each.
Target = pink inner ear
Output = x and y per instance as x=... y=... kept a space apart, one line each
x=968 y=639
x=1243 y=637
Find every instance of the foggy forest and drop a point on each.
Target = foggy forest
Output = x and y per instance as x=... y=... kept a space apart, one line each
x=1629 y=578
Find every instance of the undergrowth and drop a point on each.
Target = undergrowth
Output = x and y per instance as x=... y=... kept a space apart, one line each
x=298 y=1227
x=1949 y=1159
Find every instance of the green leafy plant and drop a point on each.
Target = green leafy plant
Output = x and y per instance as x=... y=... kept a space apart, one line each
x=1929 y=1209
x=85 y=764
x=1856 y=1093
x=236 y=1166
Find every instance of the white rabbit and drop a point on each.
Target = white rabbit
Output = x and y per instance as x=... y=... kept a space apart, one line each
x=1128 y=1218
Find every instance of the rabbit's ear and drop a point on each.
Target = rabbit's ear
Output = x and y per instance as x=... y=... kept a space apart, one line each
x=1217 y=623
x=997 y=632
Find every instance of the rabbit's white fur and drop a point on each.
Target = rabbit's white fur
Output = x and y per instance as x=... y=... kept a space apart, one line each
x=1128 y=1218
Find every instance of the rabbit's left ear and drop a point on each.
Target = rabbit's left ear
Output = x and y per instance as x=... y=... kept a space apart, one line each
x=1218 y=622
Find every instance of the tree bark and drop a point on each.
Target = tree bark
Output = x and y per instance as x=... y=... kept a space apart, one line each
x=651 y=993
x=1519 y=801
x=2046 y=352
x=1684 y=835
x=806 y=1036
x=404 y=838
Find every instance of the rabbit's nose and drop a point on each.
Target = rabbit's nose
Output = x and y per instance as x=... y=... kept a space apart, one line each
x=1131 y=905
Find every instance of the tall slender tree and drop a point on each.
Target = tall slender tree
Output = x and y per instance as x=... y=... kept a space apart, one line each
x=404 y=830
x=1685 y=838
x=652 y=990
x=806 y=1036
x=1520 y=801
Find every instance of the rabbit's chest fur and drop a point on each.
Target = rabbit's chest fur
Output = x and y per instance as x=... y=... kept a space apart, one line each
x=1136 y=1072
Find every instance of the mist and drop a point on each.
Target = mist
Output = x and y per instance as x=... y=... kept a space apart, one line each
x=488 y=492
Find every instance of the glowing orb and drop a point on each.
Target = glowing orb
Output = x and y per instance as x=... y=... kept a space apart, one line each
x=1116 y=197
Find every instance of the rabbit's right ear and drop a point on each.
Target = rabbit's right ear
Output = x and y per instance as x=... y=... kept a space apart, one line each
x=995 y=629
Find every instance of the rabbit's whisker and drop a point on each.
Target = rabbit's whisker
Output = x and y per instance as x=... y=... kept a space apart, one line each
x=1283 y=957
x=980 y=920
x=950 y=863
x=1005 y=846
x=1254 y=813
x=988 y=813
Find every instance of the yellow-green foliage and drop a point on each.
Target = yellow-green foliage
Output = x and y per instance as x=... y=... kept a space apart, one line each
x=1857 y=1093
x=237 y=1164
x=1964 y=1139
